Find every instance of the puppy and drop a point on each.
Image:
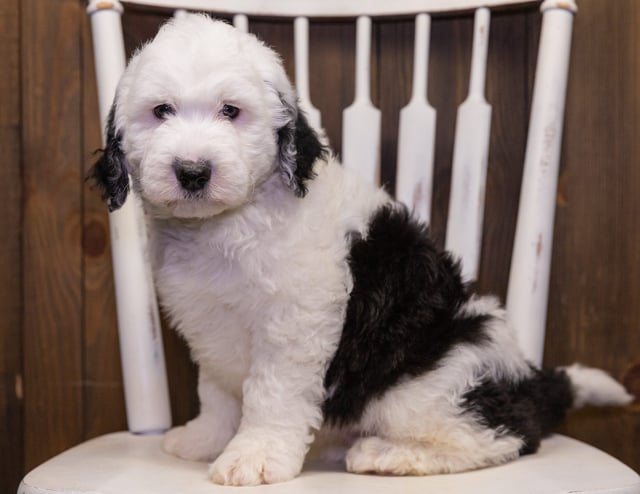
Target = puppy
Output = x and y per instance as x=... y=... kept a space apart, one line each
x=306 y=295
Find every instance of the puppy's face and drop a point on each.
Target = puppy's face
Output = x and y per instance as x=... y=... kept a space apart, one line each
x=203 y=115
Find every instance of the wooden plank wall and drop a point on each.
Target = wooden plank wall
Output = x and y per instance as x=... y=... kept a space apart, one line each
x=594 y=309
x=11 y=387
x=60 y=380
x=52 y=276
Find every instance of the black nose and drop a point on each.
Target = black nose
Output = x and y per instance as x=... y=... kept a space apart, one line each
x=192 y=175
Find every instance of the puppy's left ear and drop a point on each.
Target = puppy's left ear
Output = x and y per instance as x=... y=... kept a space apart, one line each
x=110 y=171
x=299 y=148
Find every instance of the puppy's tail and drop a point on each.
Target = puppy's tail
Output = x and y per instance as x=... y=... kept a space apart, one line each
x=595 y=387
x=560 y=389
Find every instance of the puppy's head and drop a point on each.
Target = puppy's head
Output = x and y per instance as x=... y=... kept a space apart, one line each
x=204 y=114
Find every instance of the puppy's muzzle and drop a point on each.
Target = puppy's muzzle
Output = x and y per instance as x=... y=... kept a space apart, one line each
x=192 y=175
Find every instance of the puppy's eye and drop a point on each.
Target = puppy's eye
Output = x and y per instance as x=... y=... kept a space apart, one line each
x=164 y=110
x=230 y=111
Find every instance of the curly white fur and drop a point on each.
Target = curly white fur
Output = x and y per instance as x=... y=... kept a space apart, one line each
x=257 y=279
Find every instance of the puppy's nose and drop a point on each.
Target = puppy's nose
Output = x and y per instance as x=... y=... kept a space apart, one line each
x=192 y=175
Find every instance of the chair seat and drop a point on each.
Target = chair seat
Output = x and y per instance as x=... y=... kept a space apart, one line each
x=125 y=463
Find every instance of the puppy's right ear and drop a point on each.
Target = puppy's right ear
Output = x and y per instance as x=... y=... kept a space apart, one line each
x=110 y=171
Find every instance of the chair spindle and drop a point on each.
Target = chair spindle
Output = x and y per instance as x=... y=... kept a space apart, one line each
x=301 y=48
x=470 y=155
x=528 y=290
x=416 y=133
x=361 y=121
x=241 y=22
x=143 y=364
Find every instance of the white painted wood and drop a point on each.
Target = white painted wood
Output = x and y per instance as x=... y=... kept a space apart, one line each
x=361 y=120
x=301 y=54
x=241 y=22
x=109 y=54
x=180 y=13
x=143 y=366
x=527 y=295
x=417 y=132
x=568 y=5
x=470 y=155
x=122 y=463
x=330 y=8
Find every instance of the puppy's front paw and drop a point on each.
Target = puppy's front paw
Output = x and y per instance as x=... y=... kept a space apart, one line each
x=260 y=462
x=198 y=440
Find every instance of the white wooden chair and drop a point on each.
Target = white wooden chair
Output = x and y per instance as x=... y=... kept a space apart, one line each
x=132 y=462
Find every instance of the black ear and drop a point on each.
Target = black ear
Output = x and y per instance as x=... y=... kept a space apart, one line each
x=299 y=150
x=110 y=171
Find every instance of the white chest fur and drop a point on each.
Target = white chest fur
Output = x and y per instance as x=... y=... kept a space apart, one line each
x=231 y=279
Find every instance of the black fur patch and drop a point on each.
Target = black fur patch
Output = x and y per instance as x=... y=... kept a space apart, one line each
x=309 y=149
x=401 y=316
x=110 y=171
x=301 y=139
x=530 y=408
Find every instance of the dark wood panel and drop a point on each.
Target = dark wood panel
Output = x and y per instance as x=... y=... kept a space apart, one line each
x=449 y=63
x=395 y=56
x=614 y=430
x=279 y=36
x=594 y=310
x=11 y=409
x=507 y=74
x=51 y=113
x=139 y=26
x=331 y=74
x=11 y=336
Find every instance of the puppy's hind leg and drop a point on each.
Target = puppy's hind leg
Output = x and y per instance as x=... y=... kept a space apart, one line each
x=420 y=428
x=410 y=457
x=203 y=438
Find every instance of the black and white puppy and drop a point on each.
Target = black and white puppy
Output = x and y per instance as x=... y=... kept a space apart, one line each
x=308 y=296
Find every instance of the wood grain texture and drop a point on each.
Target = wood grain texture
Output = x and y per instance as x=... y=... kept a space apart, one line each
x=395 y=56
x=507 y=75
x=51 y=122
x=450 y=60
x=11 y=409
x=332 y=74
x=595 y=279
x=279 y=36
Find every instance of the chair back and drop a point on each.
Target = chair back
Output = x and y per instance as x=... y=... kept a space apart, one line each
x=144 y=373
